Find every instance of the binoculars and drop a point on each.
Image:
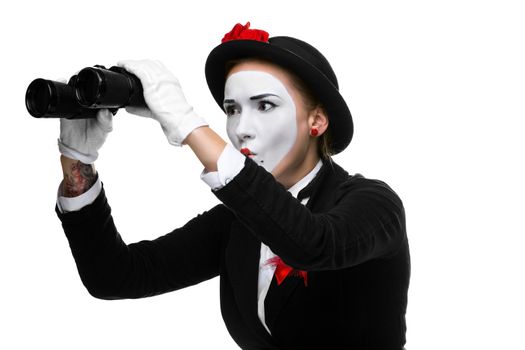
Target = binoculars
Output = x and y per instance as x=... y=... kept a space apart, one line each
x=92 y=89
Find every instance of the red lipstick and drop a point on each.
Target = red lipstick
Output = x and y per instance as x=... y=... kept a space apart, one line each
x=246 y=152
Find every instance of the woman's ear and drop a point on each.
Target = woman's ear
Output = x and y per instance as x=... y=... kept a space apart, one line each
x=318 y=120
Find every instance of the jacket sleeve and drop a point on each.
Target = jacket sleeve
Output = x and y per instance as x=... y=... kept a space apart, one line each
x=366 y=220
x=111 y=269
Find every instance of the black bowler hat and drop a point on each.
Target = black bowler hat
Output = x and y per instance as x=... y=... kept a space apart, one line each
x=294 y=55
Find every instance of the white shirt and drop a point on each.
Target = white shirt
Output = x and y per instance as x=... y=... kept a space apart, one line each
x=229 y=164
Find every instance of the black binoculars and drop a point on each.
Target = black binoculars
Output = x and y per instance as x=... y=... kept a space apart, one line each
x=92 y=89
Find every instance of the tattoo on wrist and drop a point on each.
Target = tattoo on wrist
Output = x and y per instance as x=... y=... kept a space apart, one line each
x=78 y=178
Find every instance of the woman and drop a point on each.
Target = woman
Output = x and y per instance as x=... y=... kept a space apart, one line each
x=308 y=256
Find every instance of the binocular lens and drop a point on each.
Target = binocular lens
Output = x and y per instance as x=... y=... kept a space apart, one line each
x=53 y=99
x=90 y=85
x=40 y=97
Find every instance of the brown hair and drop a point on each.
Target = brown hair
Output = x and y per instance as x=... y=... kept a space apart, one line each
x=324 y=144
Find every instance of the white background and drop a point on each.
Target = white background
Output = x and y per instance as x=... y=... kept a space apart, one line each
x=437 y=94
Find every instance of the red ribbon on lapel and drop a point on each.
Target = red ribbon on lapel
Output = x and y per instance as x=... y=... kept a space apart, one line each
x=282 y=270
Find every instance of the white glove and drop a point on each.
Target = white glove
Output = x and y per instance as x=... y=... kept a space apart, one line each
x=82 y=138
x=165 y=99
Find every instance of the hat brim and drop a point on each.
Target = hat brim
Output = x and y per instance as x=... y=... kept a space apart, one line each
x=340 y=119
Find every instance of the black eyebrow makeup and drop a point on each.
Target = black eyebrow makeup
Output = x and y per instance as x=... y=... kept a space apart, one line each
x=258 y=97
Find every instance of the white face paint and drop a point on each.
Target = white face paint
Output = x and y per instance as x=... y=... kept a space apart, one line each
x=261 y=116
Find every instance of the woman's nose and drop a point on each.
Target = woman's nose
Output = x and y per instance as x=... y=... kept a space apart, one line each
x=244 y=129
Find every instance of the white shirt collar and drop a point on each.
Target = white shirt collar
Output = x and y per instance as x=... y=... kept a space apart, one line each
x=299 y=185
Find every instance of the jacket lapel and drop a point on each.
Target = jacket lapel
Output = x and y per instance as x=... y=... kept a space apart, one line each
x=278 y=296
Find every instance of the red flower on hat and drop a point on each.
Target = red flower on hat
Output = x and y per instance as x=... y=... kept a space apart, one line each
x=240 y=32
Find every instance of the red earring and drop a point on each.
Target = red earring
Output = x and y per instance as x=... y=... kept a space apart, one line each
x=314 y=132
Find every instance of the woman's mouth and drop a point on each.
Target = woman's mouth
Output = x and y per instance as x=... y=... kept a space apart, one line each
x=246 y=151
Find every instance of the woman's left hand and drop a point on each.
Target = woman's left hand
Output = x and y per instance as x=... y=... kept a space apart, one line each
x=165 y=99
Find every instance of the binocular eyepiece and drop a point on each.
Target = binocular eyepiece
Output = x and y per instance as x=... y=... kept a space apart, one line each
x=93 y=88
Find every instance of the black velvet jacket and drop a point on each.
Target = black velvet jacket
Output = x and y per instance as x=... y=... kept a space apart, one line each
x=350 y=237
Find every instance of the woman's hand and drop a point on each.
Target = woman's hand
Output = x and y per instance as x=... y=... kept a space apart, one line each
x=165 y=99
x=80 y=139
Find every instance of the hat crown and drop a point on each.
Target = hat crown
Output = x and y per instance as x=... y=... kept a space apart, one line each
x=307 y=53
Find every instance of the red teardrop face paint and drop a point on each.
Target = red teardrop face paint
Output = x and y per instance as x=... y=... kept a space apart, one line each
x=262 y=122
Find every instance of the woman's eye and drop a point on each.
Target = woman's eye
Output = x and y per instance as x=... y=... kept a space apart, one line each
x=231 y=110
x=265 y=106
